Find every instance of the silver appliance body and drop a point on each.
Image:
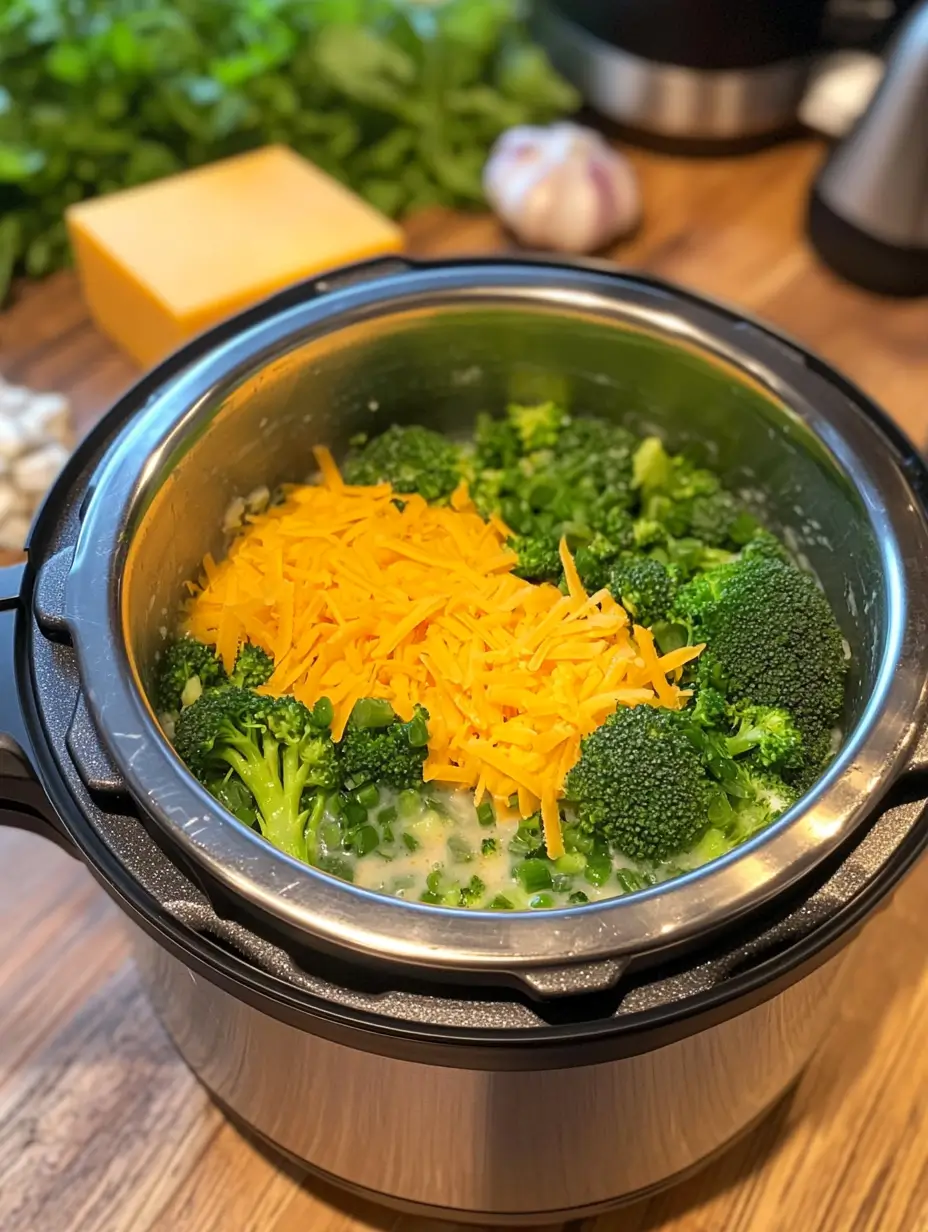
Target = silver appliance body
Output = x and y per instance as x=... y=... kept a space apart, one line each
x=869 y=209
x=673 y=101
x=494 y=1146
x=503 y=1068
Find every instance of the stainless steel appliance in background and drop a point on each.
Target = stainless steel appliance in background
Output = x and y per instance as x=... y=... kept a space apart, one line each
x=868 y=216
x=703 y=71
x=523 y=1066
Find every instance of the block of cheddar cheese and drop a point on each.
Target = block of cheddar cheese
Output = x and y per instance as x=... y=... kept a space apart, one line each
x=161 y=262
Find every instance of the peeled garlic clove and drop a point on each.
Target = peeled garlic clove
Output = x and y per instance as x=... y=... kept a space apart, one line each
x=562 y=187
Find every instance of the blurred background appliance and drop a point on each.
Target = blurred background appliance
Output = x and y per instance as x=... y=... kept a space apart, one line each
x=705 y=71
x=868 y=216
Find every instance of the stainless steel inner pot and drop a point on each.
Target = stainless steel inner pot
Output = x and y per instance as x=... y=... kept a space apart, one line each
x=437 y=345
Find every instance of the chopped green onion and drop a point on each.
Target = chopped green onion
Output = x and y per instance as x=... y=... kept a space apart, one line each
x=417 y=731
x=369 y=796
x=323 y=712
x=577 y=897
x=386 y=815
x=533 y=875
x=365 y=840
x=598 y=870
x=571 y=863
x=409 y=803
x=372 y=712
x=459 y=849
x=500 y=903
x=629 y=880
x=541 y=900
x=485 y=814
x=489 y=847
x=355 y=814
x=410 y=842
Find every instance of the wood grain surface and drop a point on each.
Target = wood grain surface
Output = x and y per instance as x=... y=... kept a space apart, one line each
x=102 y=1129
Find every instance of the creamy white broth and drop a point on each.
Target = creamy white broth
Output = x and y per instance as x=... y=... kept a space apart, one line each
x=432 y=846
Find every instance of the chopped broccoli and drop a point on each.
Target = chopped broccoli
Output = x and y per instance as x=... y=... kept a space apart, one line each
x=772 y=641
x=768 y=733
x=496 y=443
x=253 y=667
x=573 y=484
x=709 y=709
x=645 y=588
x=187 y=667
x=718 y=520
x=765 y=798
x=641 y=784
x=687 y=501
x=652 y=468
x=763 y=543
x=538 y=427
x=539 y=559
x=390 y=752
x=595 y=559
x=275 y=747
x=412 y=459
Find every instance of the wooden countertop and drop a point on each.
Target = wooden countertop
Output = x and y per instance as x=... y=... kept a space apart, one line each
x=102 y=1128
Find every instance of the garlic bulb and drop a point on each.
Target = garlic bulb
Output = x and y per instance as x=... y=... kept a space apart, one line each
x=35 y=442
x=562 y=187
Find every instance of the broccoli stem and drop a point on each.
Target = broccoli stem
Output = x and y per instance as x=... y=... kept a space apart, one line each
x=316 y=814
x=277 y=796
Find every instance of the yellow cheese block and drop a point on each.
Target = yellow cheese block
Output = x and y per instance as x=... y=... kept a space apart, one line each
x=161 y=262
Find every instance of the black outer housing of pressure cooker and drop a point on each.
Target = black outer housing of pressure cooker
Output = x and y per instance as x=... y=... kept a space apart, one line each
x=755 y=958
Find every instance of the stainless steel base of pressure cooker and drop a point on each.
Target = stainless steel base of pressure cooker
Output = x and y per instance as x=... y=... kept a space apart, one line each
x=506 y=1069
x=540 y=1144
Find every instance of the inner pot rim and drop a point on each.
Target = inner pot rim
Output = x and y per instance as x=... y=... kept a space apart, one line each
x=339 y=915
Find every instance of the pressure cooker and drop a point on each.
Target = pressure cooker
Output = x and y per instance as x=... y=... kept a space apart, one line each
x=530 y=1066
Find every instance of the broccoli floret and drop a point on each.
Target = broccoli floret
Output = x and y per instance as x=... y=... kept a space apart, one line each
x=412 y=459
x=378 y=747
x=772 y=640
x=594 y=561
x=687 y=501
x=645 y=588
x=496 y=444
x=276 y=747
x=719 y=520
x=537 y=427
x=763 y=543
x=569 y=487
x=709 y=709
x=187 y=669
x=641 y=784
x=253 y=667
x=768 y=733
x=539 y=559
x=765 y=798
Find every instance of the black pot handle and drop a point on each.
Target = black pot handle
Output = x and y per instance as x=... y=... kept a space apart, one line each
x=23 y=802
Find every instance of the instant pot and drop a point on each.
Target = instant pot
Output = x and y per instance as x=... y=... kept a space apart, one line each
x=705 y=71
x=506 y=1067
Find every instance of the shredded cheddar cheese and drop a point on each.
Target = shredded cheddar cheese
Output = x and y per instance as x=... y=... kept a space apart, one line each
x=355 y=596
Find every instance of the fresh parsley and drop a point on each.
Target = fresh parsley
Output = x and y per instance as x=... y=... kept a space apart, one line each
x=400 y=99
